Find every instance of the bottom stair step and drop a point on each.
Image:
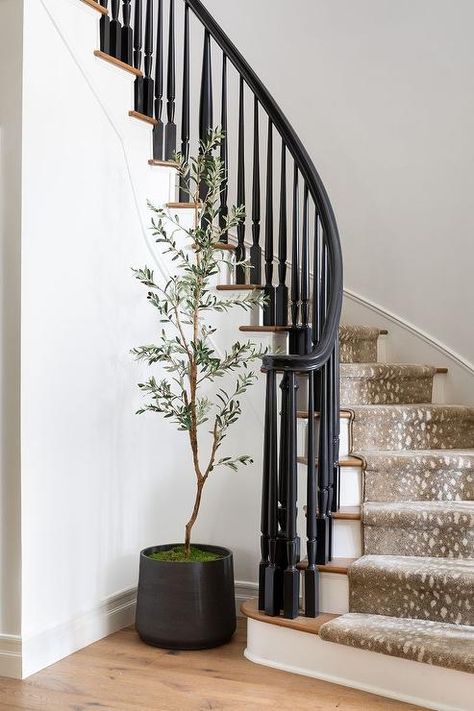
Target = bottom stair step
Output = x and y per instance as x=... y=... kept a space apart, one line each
x=437 y=643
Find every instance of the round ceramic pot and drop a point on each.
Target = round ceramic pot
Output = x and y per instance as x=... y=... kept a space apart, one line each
x=186 y=605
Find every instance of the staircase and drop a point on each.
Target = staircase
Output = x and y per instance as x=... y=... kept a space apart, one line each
x=384 y=475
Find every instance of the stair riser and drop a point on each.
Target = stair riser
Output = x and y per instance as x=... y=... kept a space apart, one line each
x=446 y=542
x=419 y=429
x=359 y=351
x=440 y=599
x=427 y=485
x=350 y=482
x=344 y=438
x=347 y=537
x=362 y=391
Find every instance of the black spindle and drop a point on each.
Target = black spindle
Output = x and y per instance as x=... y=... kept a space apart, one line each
x=281 y=296
x=105 y=29
x=316 y=281
x=306 y=341
x=295 y=253
x=148 y=83
x=115 y=31
x=158 y=128
x=127 y=34
x=271 y=596
x=255 y=251
x=311 y=577
x=240 y=251
x=206 y=101
x=269 y=308
x=185 y=120
x=137 y=54
x=266 y=486
x=170 y=128
x=224 y=156
x=291 y=575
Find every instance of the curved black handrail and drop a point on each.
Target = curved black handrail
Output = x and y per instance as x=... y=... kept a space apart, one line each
x=321 y=353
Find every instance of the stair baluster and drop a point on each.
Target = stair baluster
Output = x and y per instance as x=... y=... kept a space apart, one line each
x=115 y=31
x=170 y=128
x=255 y=251
x=148 y=83
x=240 y=252
x=105 y=29
x=127 y=33
x=269 y=308
x=311 y=576
x=185 y=117
x=291 y=576
x=137 y=55
x=305 y=345
x=158 y=129
x=271 y=592
x=295 y=264
x=224 y=155
x=281 y=295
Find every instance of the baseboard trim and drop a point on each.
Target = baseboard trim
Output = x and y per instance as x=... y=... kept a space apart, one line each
x=414 y=330
x=48 y=647
x=20 y=659
x=10 y=656
x=244 y=590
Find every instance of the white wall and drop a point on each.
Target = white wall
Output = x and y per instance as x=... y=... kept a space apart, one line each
x=381 y=92
x=10 y=225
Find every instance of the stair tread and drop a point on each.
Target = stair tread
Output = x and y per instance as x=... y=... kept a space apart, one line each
x=387 y=370
x=417 y=565
x=439 y=643
x=118 y=63
x=441 y=454
x=163 y=163
x=95 y=5
x=421 y=515
x=312 y=625
x=348 y=332
x=265 y=329
x=143 y=117
x=349 y=461
x=348 y=513
x=239 y=287
x=338 y=566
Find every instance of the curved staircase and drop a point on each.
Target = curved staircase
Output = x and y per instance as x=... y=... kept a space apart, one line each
x=390 y=520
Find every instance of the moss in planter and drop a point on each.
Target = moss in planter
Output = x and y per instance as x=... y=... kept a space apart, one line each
x=177 y=555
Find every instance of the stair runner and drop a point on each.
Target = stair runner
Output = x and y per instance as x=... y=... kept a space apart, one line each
x=412 y=592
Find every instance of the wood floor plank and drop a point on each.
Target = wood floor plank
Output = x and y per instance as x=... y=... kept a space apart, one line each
x=120 y=673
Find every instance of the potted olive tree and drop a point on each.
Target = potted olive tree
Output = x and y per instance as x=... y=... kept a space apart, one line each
x=186 y=590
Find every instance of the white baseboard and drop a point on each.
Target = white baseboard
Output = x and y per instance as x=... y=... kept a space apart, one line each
x=41 y=650
x=10 y=656
x=20 y=659
x=401 y=679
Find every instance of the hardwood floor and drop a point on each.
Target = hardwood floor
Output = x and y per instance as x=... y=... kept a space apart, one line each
x=120 y=673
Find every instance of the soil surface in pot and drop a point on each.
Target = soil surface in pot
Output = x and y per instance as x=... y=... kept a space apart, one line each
x=178 y=555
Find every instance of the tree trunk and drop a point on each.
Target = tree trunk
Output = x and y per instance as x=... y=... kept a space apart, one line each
x=192 y=520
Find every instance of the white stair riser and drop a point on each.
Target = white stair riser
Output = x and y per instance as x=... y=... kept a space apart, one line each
x=351 y=486
x=344 y=437
x=334 y=593
x=347 y=539
x=347 y=536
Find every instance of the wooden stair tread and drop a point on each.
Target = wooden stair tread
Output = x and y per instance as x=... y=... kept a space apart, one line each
x=143 y=117
x=343 y=414
x=183 y=205
x=338 y=566
x=347 y=513
x=349 y=461
x=265 y=329
x=312 y=625
x=239 y=287
x=118 y=63
x=95 y=5
x=441 y=371
x=163 y=163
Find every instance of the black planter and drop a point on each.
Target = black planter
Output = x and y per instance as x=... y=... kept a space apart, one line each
x=186 y=605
